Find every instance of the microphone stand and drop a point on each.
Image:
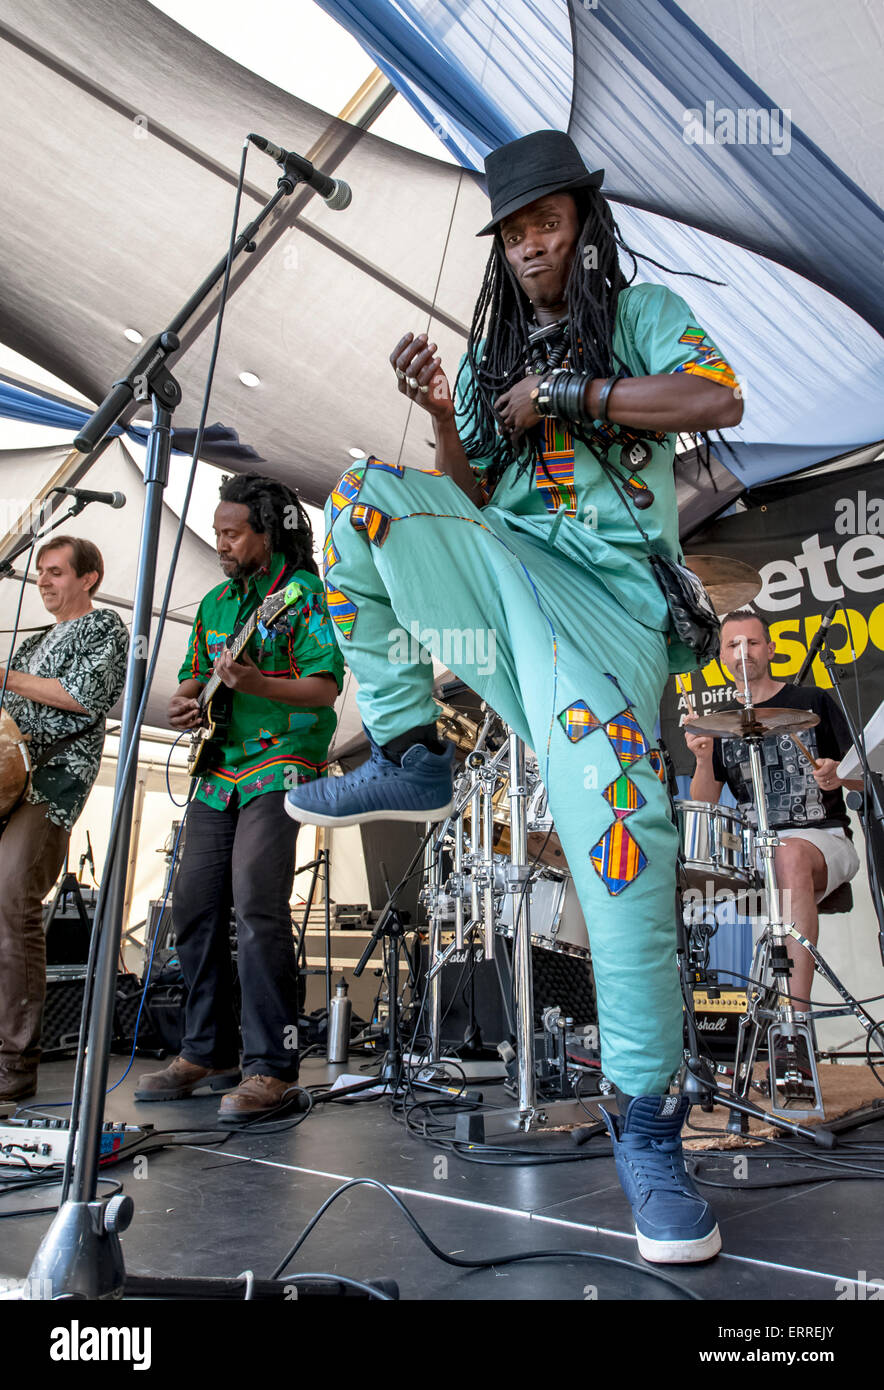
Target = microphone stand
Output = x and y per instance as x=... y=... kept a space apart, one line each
x=6 y=565
x=81 y=1254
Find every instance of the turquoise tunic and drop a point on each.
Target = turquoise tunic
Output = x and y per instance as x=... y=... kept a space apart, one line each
x=543 y=602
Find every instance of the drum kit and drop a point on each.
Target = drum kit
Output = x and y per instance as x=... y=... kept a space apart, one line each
x=722 y=851
x=495 y=869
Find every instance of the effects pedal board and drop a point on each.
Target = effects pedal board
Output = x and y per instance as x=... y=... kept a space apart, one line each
x=43 y=1143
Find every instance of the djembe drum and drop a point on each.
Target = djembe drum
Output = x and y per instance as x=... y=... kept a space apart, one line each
x=15 y=764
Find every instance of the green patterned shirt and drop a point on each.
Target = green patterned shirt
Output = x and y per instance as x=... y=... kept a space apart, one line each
x=268 y=745
x=87 y=655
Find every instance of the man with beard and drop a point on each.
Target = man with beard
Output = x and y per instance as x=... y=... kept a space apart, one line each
x=805 y=804
x=553 y=480
x=239 y=846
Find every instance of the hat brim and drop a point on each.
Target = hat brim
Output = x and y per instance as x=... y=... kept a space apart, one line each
x=588 y=180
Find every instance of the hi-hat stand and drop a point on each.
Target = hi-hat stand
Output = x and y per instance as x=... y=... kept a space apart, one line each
x=472 y=893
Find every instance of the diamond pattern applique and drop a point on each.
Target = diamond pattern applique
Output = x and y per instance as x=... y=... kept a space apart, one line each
x=627 y=739
x=617 y=858
x=578 y=720
x=370 y=519
x=342 y=611
x=623 y=796
x=655 y=758
x=330 y=555
x=346 y=491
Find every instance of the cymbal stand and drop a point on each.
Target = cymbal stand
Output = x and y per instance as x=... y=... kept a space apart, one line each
x=769 y=1005
x=474 y=861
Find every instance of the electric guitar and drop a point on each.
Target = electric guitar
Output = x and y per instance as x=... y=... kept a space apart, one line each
x=205 y=745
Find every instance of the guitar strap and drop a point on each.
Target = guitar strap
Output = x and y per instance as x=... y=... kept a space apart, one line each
x=280 y=581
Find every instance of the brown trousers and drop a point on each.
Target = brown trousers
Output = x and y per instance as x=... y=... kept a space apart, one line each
x=32 y=852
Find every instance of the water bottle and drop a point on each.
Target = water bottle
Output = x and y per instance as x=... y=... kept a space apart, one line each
x=338 y=1046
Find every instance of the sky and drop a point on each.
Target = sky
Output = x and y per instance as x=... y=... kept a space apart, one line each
x=302 y=50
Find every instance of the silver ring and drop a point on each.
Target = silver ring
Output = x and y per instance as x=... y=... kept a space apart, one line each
x=412 y=381
x=400 y=373
x=425 y=389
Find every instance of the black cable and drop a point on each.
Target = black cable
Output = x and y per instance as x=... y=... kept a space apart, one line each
x=476 y=1264
x=48 y=1211
x=264 y=1123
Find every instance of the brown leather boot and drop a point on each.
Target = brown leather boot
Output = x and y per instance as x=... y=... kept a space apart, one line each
x=17 y=1085
x=255 y=1095
x=181 y=1078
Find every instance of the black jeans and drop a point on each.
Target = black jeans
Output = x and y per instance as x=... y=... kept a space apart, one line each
x=244 y=855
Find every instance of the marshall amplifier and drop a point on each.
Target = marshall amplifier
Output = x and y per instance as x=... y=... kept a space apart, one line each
x=717 y=1020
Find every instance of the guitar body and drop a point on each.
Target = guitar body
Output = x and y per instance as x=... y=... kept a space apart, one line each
x=207 y=742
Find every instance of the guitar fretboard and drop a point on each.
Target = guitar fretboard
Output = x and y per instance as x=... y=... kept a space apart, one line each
x=235 y=648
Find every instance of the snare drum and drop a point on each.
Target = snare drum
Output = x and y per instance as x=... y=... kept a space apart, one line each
x=557 y=921
x=718 y=847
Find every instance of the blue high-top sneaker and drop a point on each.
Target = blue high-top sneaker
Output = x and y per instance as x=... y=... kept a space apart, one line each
x=419 y=787
x=673 y=1223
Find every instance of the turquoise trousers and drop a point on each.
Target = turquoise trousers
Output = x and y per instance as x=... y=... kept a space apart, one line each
x=414 y=567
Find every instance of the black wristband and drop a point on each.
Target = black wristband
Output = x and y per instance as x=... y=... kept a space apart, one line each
x=605 y=393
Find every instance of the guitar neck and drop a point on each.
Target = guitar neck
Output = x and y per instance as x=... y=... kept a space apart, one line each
x=236 y=646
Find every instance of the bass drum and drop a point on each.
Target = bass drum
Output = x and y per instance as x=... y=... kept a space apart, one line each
x=557 y=921
x=15 y=765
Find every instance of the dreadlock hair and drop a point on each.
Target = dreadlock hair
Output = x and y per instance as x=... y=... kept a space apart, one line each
x=498 y=349
x=276 y=510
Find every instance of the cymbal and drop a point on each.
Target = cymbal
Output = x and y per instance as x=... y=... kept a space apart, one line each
x=766 y=719
x=730 y=584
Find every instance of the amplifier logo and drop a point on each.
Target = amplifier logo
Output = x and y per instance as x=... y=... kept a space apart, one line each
x=710 y=1025
x=76 y=1343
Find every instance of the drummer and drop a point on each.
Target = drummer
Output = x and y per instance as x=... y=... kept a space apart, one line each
x=805 y=803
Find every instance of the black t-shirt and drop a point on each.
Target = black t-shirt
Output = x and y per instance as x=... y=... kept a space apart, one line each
x=793 y=798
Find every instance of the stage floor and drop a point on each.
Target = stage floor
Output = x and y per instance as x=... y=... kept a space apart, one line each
x=240 y=1204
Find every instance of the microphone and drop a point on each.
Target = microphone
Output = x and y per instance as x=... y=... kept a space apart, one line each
x=83 y=495
x=818 y=640
x=335 y=192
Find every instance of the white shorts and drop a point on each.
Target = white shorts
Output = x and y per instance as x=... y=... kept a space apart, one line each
x=842 y=860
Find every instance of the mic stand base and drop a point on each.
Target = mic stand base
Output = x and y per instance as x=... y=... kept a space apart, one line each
x=80 y=1254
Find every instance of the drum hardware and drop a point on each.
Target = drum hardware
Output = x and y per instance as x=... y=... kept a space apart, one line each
x=794 y=1085
x=555 y=1076
x=476 y=786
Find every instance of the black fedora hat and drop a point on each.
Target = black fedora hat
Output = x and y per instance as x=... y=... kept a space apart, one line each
x=524 y=170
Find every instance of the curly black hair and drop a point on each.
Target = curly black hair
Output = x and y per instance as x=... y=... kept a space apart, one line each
x=274 y=510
